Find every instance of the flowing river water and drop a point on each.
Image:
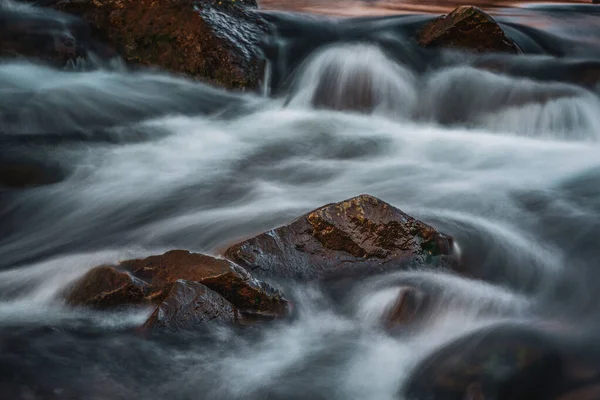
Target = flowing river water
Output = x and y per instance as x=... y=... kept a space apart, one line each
x=508 y=164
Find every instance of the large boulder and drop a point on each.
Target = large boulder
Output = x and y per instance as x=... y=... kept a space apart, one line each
x=467 y=28
x=188 y=305
x=359 y=236
x=151 y=280
x=214 y=41
x=107 y=287
x=248 y=294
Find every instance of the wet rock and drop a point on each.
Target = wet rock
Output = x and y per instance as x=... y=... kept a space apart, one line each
x=503 y=362
x=231 y=281
x=107 y=287
x=188 y=305
x=410 y=304
x=359 y=236
x=214 y=41
x=469 y=28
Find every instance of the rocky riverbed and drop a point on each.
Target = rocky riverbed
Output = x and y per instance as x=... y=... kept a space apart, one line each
x=209 y=199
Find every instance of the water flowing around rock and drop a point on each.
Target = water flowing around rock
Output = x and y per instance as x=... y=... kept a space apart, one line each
x=491 y=158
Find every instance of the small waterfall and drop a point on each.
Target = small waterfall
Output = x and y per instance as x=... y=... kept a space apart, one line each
x=356 y=77
x=479 y=99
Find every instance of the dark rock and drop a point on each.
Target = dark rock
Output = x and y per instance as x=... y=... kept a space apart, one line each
x=408 y=307
x=20 y=176
x=224 y=277
x=151 y=280
x=359 y=236
x=214 y=41
x=502 y=362
x=189 y=304
x=41 y=36
x=469 y=28
x=107 y=287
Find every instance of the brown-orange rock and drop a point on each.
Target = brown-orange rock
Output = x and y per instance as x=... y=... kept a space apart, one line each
x=188 y=305
x=469 y=28
x=203 y=39
x=107 y=287
x=410 y=304
x=224 y=277
x=362 y=235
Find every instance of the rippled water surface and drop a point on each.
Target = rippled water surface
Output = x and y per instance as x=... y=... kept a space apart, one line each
x=505 y=163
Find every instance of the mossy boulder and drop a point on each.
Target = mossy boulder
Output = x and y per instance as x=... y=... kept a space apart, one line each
x=212 y=41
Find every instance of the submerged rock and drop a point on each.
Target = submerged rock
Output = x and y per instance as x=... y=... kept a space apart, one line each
x=502 y=362
x=469 y=28
x=189 y=304
x=214 y=41
x=410 y=305
x=107 y=287
x=362 y=235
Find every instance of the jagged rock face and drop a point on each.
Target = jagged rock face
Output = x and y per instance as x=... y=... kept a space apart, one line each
x=359 y=236
x=188 y=305
x=151 y=280
x=107 y=287
x=468 y=28
x=211 y=41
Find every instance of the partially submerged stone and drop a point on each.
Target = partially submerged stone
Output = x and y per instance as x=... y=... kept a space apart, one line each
x=358 y=236
x=229 y=280
x=47 y=37
x=188 y=305
x=467 y=28
x=107 y=287
x=209 y=40
x=151 y=280
x=410 y=304
x=504 y=362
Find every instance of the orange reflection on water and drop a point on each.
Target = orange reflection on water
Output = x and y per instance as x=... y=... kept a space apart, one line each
x=389 y=7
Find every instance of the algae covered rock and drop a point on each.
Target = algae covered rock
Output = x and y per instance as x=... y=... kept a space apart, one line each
x=213 y=41
x=358 y=236
x=467 y=28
